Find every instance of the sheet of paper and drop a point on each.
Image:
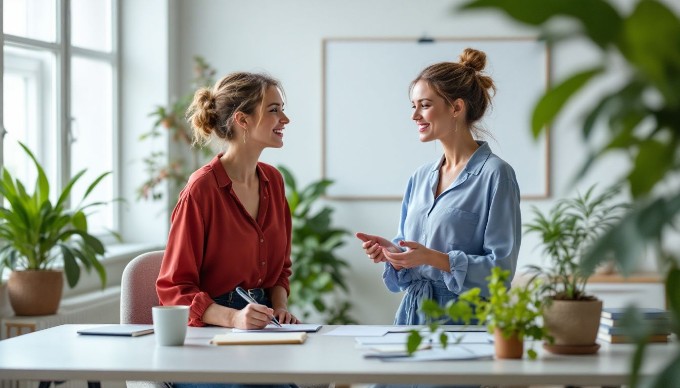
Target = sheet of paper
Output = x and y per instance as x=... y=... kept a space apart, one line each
x=455 y=352
x=360 y=331
x=271 y=328
x=457 y=328
x=401 y=338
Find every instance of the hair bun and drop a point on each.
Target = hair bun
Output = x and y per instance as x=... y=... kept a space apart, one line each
x=474 y=59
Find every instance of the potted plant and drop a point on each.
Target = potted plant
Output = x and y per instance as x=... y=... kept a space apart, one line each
x=511 y=315
x=162 y=167
x=36 y=235
x=572 y=316
x=318 y=274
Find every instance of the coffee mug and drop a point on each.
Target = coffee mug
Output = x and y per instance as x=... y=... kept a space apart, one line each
x=170 y=324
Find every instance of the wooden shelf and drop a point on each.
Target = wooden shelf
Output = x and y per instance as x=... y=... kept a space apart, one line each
x=642 y=277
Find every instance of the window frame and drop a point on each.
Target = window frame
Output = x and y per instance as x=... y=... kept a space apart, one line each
x=64 y=52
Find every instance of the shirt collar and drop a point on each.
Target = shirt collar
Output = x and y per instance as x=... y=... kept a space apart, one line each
x=477 y=160
x=221 y=174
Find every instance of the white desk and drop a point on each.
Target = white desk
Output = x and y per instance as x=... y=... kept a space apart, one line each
x=59 y=353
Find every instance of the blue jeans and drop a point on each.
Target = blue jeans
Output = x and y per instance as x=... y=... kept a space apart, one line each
x=235 y=301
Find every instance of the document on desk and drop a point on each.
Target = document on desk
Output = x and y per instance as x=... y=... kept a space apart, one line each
x=271 y=328
x=450 y=353
x=366 y=330
x=402 y=338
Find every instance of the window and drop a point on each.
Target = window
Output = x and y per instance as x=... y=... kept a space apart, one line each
x=59 y=83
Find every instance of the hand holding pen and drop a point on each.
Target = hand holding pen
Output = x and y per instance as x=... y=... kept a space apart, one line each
x=252 y=301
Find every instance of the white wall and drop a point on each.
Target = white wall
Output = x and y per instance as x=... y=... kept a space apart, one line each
x=145 y=82
x=284 y=38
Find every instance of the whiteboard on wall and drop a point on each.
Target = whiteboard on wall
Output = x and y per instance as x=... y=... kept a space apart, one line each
x=370 y=143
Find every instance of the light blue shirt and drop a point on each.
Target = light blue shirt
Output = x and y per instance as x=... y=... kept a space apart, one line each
x=476 y=221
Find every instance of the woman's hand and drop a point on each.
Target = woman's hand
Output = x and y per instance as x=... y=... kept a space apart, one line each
x=374 y=246
x=253 y=316
x=417 y=254
x=284 y=316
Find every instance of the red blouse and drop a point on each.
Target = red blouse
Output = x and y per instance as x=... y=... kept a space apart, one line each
x=215 y=245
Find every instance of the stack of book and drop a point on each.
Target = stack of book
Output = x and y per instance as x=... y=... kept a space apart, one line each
x=612 y=331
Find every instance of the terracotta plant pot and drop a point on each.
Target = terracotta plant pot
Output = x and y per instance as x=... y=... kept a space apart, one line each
x=572 y=323
x=512 y=347
x=35 y=292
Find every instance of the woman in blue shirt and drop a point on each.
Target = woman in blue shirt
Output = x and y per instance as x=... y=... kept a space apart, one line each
x=460 y=215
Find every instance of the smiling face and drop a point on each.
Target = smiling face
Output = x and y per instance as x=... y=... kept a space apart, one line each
x=433 y=115
x=269 y=119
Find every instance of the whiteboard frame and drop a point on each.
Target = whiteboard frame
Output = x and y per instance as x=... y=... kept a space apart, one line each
x=324 y=114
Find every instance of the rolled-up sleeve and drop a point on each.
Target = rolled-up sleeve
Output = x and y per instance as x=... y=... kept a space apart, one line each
x=179 y=280
x=501 y=243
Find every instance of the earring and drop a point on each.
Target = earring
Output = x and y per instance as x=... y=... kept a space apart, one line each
x=245 y=135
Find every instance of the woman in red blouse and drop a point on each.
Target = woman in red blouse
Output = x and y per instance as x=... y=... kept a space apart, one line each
x=231 y=226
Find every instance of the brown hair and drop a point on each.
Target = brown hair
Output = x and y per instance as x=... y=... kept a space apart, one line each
x=212 y=111
x=462 y=79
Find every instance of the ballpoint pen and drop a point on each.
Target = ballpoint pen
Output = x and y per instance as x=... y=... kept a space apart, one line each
x=250 y=300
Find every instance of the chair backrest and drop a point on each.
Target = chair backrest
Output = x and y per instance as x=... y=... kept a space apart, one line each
x=138 y=288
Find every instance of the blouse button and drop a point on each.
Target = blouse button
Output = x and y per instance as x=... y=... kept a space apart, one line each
x=261 y=240
x=262 y=263
x=259 y=281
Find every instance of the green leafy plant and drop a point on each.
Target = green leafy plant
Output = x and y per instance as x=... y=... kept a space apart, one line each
x=318 y=274
x=34 y=232
x=570 y=227
x=641 y=120
x=158 y=165
x=513 y=312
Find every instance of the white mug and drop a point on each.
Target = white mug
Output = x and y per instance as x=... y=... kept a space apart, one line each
x=170 y=324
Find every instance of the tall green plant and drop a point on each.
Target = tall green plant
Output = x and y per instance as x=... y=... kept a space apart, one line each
x=158 y=165
x=318 y=280
x=34 y=232
x=570 y=227
x=640 y=119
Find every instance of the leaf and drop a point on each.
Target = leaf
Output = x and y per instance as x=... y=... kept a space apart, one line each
x=601 y=22
x=532 y=354
x=625 y=242
x=653 y=162
x=42 y=188
x=658 y=59
x=552 y=102
x=95 y=183
x=413 y=342
x=66 y=192
x=669 y=376
x=71 y=268
x=672 y=294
